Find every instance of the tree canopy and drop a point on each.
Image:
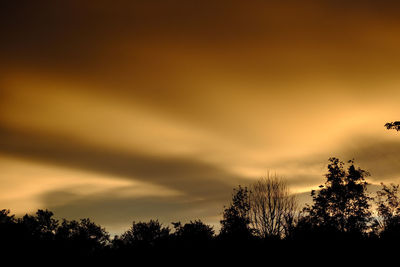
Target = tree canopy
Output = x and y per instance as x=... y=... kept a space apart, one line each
x=393 y=125
x=342 y=203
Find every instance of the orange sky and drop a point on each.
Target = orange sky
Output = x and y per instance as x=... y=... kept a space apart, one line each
x=131 y=110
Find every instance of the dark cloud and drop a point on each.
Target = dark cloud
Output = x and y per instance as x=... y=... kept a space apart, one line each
x=187 y=175
x=79 y=33
x=156 y=50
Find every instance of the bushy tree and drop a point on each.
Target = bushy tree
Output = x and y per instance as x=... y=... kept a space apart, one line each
x=194 y=233
x=41 y=226
x=342 y=203
x=84 y=235
x=144 y=234
x=236 y=217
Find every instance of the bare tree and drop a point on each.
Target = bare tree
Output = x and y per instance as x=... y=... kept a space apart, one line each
x=273 y=209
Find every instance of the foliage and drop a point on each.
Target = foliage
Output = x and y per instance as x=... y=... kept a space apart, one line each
x=41 y=226
x=145 y=234
x=393 y=125
x=342 y=203
x=194 y=233
x=84 y=233
x=388 y=202
x=236 y=217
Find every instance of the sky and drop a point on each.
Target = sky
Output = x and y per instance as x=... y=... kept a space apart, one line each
x=125 y=111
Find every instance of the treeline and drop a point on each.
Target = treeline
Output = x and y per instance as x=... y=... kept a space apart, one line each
x=264 y=215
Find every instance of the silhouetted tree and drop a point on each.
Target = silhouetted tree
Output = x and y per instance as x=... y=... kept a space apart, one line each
x=144 y=235
x=342 y=203
x=41 y=226
x=7 y=227
x=84 y=235
x=272 y=208
x=195 y=233
x=236 y=217
x=388 y=220
x=393 y=125
x=5 y=217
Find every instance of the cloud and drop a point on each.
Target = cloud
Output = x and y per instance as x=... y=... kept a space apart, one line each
x=187 y=175
x=265 y=37
x=202 y=189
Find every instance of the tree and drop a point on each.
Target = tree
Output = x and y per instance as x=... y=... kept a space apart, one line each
x=41 y=226
x=393 y=125
x=83 y=235
x=7 y=227
x=144 y=234
x=236 y=217
x=6 y=218
x=272 y=207
x=342 y=203
x=193 y=233
x=388 y=220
